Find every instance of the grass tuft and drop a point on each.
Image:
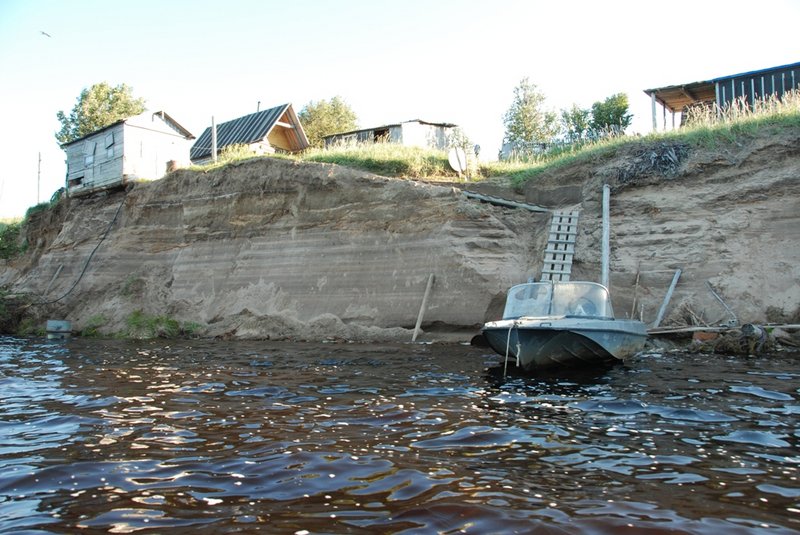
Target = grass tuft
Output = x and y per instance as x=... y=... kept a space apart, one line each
x=387 y=159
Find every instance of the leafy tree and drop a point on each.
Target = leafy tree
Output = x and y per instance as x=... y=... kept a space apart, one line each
x=98 y=107
x=575 y=122
x=526 y=121
x=611 y=115
x=320 y=119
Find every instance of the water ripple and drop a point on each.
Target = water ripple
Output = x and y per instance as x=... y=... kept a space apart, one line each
x=120 y=437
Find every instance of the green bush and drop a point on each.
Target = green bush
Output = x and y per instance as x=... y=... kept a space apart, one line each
x=9 y=240
x=29 y=327
x=144 y=326
x=92 y=327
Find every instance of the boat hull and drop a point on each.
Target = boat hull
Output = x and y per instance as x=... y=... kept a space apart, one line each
x=565 y=343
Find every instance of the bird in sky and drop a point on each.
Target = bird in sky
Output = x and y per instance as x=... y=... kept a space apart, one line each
x=45 y=33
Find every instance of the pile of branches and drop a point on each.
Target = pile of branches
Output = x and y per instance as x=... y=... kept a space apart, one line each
x=661 y=159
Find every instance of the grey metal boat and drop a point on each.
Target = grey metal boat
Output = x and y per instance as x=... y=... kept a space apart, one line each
x=562 y=324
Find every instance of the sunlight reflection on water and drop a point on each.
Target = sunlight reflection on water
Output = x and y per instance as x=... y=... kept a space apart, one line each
x=119 y=437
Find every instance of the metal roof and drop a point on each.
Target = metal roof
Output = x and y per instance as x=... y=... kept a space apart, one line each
x=677 y=97
x=244 y=130
x=172 y=123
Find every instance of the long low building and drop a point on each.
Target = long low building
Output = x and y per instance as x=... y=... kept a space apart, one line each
x=413 y=133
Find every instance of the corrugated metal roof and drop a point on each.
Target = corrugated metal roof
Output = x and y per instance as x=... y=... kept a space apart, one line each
x=244 y=130
x=676 y=97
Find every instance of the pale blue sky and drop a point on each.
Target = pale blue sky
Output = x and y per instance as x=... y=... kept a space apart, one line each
x=436 y=60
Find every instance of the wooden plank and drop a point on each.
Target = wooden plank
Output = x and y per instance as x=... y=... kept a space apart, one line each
x=667 y=298
x=423 y=307
x=503 y=202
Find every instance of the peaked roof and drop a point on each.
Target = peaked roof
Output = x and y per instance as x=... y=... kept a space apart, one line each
x=245 y=130
x=172 y=123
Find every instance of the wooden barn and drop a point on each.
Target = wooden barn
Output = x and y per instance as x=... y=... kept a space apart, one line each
x=143 y=146
x=414 y=133
x=277 y=129
x=747 y=86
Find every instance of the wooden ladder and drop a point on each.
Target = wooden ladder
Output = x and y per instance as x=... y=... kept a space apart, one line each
x=560 y=246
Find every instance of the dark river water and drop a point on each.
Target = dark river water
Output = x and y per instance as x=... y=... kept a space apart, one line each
x=246 y=437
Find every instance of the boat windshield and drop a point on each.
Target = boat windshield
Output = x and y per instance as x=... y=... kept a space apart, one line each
x=541 y=299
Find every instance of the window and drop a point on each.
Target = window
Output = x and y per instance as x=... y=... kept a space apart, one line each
x=88 y=152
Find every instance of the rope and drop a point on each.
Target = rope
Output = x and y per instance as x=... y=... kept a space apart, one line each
x=508 y=344
x=89 y=258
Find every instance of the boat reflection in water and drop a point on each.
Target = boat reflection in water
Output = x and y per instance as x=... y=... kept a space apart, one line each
x=550 y=324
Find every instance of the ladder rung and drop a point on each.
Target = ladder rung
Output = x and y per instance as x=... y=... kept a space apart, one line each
x=557 y=271
x=570 y=250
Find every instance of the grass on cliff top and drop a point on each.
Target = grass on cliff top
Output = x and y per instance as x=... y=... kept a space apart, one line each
x=707 y=127
x=387 y=159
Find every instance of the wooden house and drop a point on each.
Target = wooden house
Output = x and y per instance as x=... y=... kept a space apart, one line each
x=143 y=146
x=722 y=92
x=268 y=131
x=414 y=133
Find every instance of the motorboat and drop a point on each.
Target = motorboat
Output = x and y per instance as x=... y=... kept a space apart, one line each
x=554 y=324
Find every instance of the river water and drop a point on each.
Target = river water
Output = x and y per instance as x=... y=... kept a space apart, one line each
x=246 y=437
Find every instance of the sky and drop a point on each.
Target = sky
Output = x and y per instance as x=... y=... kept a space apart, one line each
x=391 y=61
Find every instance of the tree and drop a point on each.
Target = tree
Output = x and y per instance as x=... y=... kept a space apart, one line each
x=575 y=123
x=611 y=116
x=98 y=107
x=526 y=121
x=323 y=118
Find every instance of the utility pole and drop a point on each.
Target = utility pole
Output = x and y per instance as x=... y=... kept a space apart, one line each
x=38 y=178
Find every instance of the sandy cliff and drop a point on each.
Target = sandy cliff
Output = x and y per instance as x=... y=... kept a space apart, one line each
x=271 y=248
x=274 y=249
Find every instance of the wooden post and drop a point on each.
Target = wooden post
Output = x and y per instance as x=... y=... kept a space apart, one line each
x=606 y=240
x=213 y=139
x=653 y=105
x=667 y=298
x=636 y=289
x=422 y=308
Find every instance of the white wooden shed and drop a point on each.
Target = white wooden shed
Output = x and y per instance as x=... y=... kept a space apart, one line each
x=145 y=146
